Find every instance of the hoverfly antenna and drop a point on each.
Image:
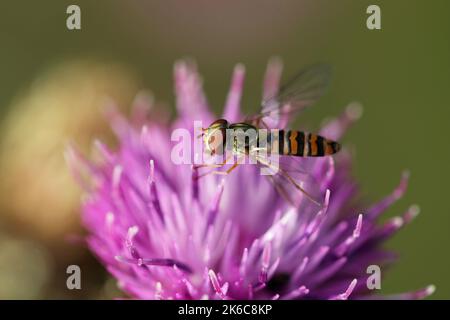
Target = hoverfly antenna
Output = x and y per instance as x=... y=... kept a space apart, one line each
x=202 y=130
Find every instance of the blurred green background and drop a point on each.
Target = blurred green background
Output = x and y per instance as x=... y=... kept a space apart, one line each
x=401 y=75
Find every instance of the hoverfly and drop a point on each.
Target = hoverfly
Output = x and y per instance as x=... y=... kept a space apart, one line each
x=301 y=91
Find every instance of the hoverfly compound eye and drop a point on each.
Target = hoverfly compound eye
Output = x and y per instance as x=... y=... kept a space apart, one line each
x=219 y=124
x=215 y=139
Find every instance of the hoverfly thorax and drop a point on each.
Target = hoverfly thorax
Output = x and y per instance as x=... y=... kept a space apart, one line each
x=214 y=137
x=244 y=137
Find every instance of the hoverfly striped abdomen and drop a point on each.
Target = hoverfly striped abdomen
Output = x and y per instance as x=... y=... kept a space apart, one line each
x=302 y=144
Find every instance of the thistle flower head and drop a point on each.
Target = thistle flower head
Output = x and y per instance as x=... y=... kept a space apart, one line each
x=164 y=234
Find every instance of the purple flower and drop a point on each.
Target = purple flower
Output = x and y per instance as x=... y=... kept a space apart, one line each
x=163 y=234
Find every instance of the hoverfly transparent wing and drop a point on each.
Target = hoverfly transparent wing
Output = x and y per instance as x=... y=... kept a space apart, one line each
x=291 y=179
x=301 y=91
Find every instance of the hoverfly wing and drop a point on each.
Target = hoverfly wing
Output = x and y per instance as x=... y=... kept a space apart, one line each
x=291 y=179
x=301 y=91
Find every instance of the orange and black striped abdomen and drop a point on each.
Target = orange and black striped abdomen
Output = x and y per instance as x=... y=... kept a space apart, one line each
x=303 y=144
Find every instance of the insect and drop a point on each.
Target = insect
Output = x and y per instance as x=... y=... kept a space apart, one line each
x=289 y=175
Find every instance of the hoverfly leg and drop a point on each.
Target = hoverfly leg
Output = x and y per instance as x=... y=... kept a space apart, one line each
x=219 y=165
x=297 y=186
x=226 y=172
x=291 y=181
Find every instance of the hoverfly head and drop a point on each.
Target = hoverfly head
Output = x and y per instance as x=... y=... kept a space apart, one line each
x=214 y=137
